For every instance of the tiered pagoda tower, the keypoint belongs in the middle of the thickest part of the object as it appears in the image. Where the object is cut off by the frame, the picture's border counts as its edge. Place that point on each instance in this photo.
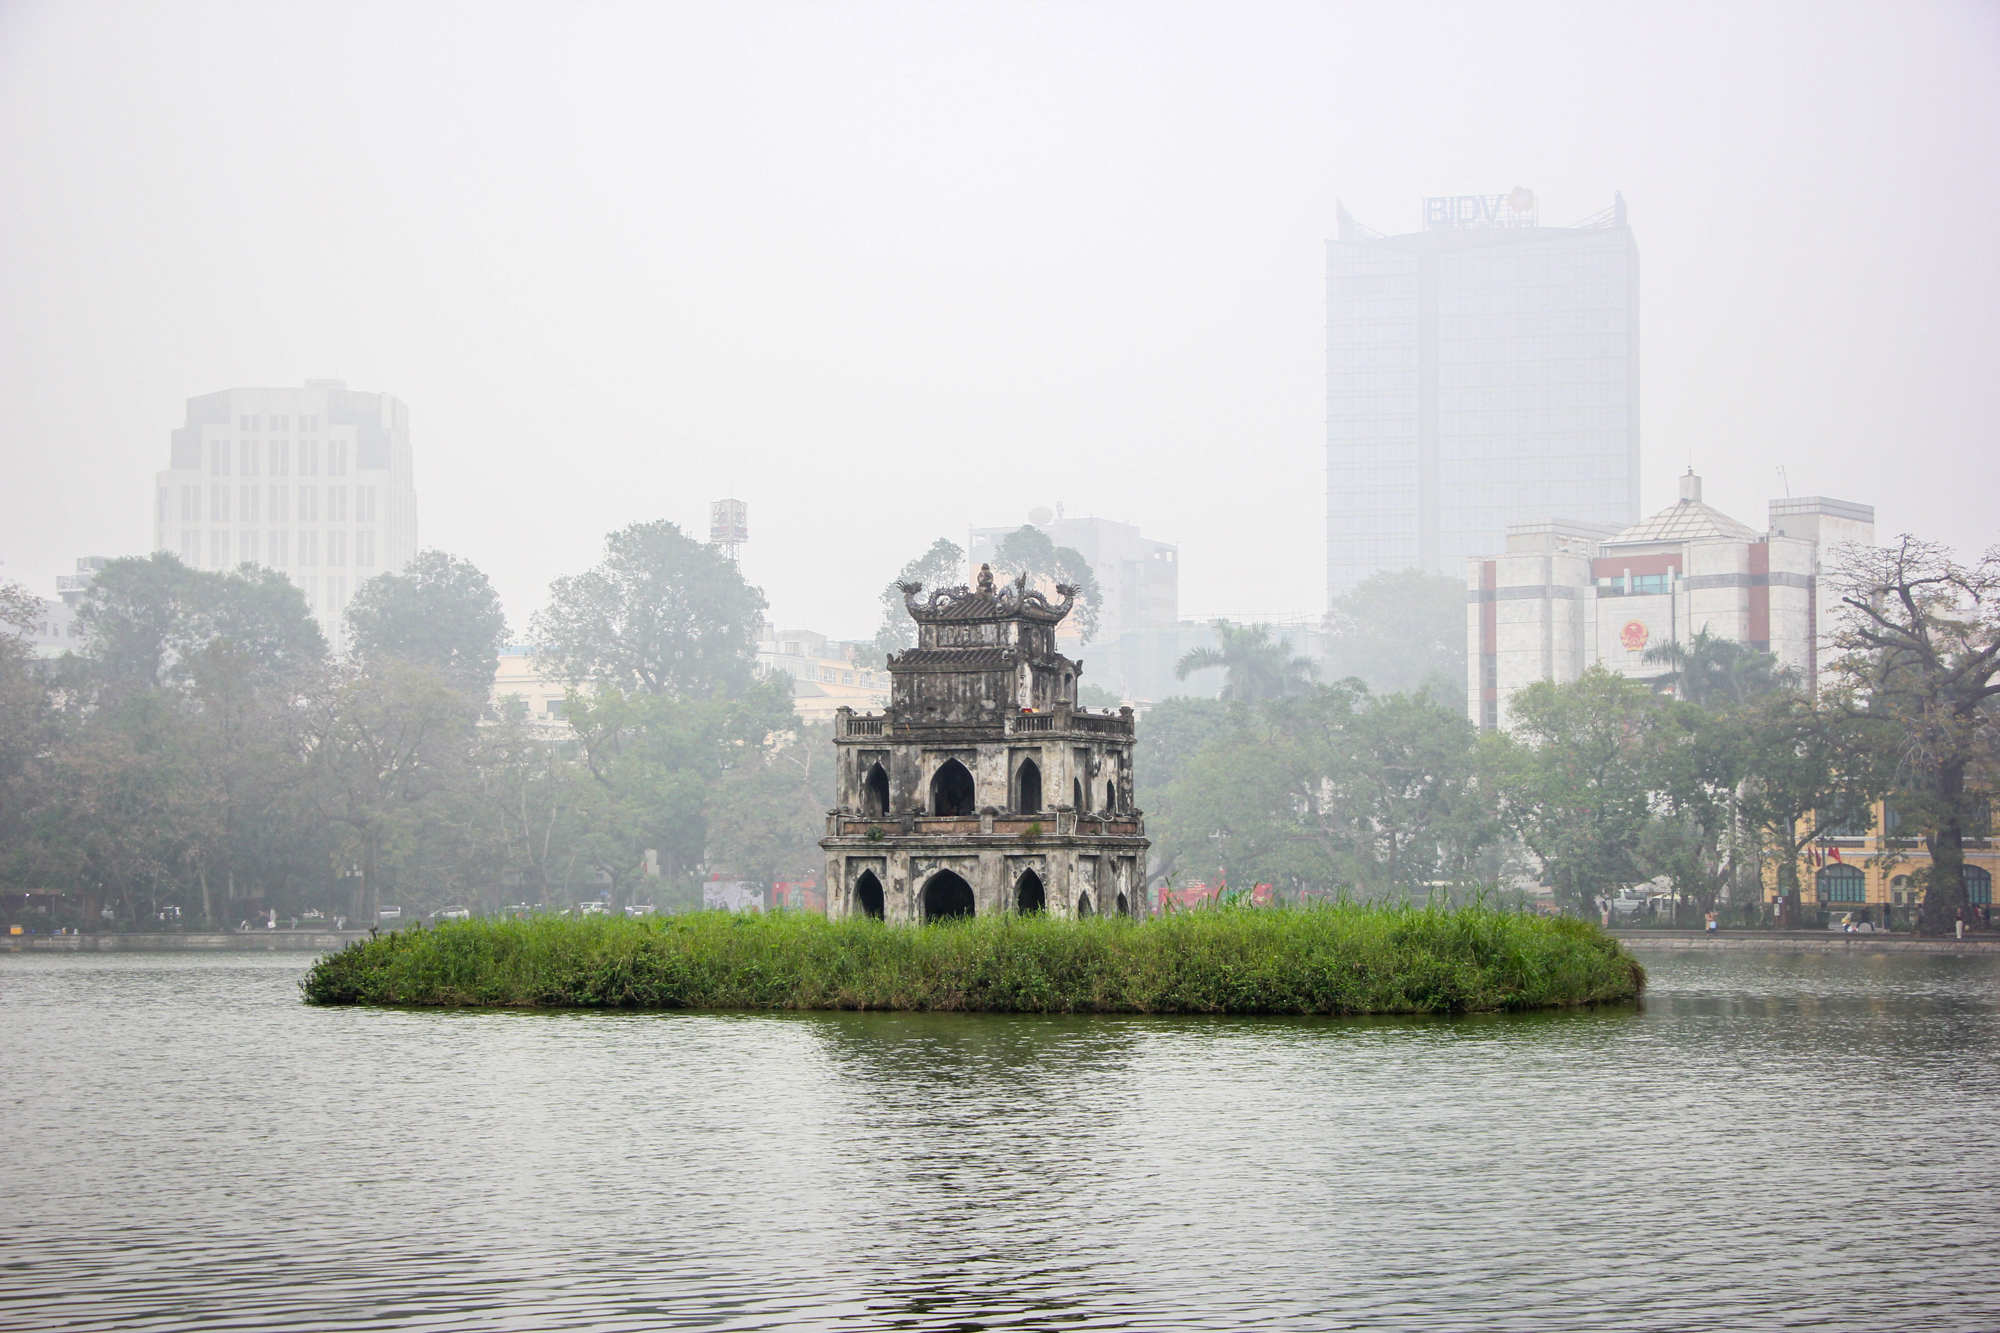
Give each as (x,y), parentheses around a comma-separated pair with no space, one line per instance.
(982,787)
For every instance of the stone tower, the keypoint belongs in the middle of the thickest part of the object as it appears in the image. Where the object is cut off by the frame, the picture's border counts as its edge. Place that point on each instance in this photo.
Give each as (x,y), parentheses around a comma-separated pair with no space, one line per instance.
(983,788)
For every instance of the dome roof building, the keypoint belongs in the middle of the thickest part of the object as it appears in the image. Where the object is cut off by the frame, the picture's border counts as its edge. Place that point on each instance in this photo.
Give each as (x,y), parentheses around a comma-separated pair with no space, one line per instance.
(1567,596)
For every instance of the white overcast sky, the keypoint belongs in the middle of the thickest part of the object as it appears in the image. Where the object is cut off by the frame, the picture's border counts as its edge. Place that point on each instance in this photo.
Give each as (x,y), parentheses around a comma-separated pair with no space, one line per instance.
(885,271)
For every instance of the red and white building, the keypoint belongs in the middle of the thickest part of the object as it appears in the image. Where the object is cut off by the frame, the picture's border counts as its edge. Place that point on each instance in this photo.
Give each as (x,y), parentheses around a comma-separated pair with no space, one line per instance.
(1567,596)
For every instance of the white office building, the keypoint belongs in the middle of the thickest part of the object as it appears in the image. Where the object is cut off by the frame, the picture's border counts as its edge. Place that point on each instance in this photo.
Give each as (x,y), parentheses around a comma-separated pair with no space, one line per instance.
(314,481)
(1566,595)
(1481,372)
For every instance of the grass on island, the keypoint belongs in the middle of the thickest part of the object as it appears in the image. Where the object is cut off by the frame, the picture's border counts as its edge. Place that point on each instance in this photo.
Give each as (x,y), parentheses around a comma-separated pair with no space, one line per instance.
(1320,960)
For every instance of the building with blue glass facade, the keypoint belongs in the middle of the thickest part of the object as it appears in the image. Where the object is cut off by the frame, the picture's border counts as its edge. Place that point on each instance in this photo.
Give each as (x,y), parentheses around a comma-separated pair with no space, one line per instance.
(1481,372)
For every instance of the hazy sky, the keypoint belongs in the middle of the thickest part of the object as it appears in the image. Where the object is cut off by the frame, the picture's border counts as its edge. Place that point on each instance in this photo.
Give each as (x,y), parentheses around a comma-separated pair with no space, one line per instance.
(887,271)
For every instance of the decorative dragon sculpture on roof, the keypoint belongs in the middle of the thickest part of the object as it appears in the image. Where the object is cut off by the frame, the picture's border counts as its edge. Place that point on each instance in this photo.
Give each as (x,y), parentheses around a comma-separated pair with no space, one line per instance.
(983,600)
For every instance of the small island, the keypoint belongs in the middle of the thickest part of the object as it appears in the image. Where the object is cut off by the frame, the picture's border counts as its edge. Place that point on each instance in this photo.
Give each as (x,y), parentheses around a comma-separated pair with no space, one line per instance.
(956,883)
(1334,960)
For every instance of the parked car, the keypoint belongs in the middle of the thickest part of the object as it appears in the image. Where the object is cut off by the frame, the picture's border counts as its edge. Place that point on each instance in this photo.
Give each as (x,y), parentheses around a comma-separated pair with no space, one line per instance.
(389,913)
(452,914)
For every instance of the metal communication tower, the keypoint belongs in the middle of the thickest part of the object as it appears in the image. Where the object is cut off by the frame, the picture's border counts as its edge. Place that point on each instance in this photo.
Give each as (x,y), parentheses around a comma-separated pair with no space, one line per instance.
(729,525)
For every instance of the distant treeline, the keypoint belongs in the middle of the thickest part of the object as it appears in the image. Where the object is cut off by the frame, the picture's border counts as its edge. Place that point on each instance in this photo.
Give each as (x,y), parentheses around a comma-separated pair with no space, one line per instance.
(204,755)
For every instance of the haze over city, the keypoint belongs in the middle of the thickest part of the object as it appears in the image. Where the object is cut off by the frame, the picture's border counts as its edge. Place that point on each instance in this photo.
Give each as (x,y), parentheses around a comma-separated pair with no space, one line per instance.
(889,272)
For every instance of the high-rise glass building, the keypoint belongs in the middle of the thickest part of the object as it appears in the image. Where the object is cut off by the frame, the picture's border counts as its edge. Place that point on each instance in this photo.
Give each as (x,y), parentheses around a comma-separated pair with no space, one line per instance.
(1481,372)
(315,482)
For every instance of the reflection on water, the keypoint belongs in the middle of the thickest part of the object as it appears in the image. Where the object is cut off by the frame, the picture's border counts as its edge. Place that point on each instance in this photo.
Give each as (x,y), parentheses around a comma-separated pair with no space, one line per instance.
(1780,1141)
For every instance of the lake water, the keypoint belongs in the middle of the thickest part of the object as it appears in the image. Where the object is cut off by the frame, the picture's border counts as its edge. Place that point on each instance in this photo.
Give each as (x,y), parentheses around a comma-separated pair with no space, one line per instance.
(1783,1141)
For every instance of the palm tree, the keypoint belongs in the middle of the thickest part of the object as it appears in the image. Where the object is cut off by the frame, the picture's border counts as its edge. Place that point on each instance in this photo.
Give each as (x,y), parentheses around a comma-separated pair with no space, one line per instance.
(1714,672)
(1259,666)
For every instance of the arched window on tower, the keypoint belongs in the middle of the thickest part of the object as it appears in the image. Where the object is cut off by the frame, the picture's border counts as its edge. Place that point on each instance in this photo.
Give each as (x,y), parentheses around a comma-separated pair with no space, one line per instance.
(875,792)
(1029,896)
(868,895)
(1028,787)
(946,897)
(951,789)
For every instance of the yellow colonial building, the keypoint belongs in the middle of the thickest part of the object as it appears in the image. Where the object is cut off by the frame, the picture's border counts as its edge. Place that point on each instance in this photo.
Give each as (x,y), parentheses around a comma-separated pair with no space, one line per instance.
(1871,861)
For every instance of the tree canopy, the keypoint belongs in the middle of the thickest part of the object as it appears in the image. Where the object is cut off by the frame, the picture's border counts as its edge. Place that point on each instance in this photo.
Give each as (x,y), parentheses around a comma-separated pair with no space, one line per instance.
(940,567)
(1710,671)
(1257,665)
(1330,790)
(661,613)
(1401,631)
(147,618)
(440,611)
(1919,645)
(1028,550)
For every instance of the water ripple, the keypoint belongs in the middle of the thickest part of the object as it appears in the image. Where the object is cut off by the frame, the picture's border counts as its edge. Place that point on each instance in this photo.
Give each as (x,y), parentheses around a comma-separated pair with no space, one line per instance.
(1788,1141)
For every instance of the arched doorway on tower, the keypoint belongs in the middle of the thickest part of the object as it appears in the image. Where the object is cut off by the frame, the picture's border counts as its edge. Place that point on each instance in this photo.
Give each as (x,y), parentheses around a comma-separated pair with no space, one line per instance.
(946,897)
(951,789)
(875,791)
(1029,895)
(868,895)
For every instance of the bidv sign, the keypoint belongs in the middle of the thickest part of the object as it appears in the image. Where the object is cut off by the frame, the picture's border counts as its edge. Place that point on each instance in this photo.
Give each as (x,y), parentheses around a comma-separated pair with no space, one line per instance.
(1513,209)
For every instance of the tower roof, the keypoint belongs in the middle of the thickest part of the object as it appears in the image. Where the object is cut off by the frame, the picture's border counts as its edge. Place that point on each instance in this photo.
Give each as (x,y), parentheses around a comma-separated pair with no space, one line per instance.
(983,602)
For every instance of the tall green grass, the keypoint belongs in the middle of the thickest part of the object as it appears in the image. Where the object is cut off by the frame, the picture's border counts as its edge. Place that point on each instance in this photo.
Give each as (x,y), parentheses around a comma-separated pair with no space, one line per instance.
(1321,960)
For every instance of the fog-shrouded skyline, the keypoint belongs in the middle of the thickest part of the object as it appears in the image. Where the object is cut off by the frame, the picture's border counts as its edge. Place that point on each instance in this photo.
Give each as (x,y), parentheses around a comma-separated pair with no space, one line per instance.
(889,272)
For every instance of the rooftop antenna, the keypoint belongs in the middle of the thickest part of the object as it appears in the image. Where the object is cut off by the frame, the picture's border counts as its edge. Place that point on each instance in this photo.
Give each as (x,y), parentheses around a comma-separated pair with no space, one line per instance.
(1786,480)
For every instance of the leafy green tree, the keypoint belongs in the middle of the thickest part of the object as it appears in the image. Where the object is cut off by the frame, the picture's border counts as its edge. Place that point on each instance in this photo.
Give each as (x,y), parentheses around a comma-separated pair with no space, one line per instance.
(1805,764)
(146,619)
(942,566)
(1335,789)
(243,743)
(1712,672)
(1920,645)
(440,611)
(114,808)
(29,725)
(1401,631)
(1575,778)
(532,789)
(655,762)
(767,812)
(383,742)
(1697,837)
(661,614)
(1169,735)
(1258,666)
(1028,550)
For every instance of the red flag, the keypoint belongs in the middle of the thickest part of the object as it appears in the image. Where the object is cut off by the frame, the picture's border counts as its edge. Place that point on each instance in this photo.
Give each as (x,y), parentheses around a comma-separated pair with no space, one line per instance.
(1833,855)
